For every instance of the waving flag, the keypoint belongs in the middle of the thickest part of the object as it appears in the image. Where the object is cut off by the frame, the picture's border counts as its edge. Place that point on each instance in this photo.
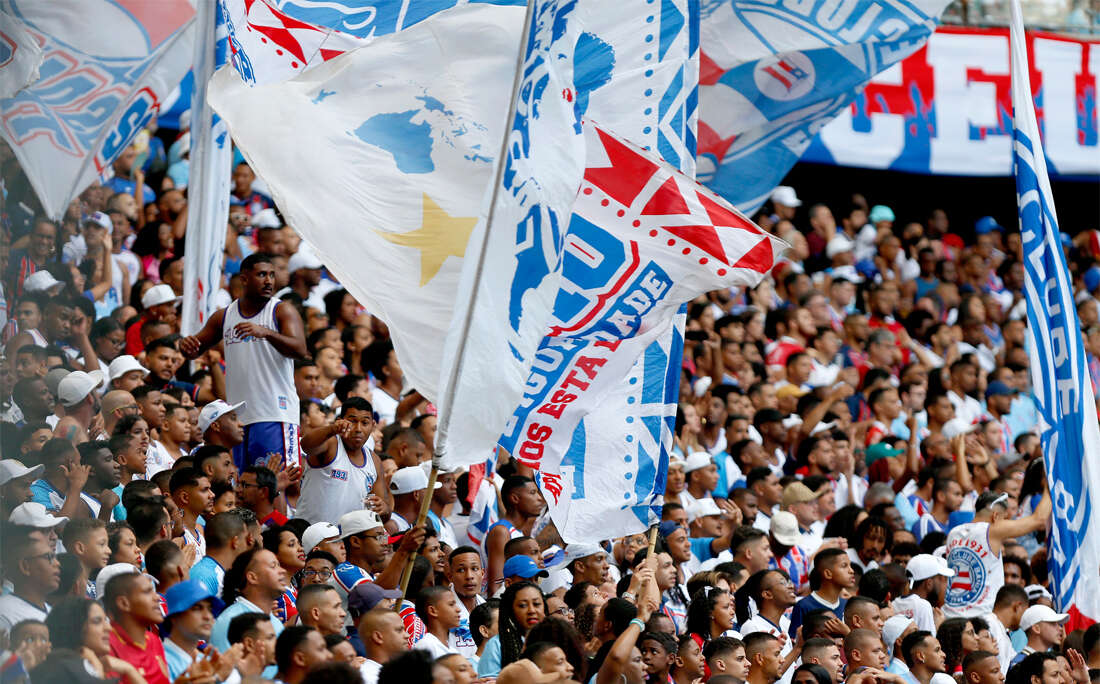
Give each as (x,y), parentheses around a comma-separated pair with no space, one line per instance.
(20,56)
(773,74)
(644,240)
(211,159)
(1068,425)
(104,71)
(512,263)
(380,159)
(631,61)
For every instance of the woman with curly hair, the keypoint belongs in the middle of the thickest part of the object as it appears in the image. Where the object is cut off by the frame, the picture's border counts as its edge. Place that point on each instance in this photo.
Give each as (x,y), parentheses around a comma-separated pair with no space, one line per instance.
(710,614)
(521,607)
(958,638)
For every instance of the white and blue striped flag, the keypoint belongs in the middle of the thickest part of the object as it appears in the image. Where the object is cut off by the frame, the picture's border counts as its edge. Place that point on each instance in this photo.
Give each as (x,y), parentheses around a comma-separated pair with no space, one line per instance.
(1068,424)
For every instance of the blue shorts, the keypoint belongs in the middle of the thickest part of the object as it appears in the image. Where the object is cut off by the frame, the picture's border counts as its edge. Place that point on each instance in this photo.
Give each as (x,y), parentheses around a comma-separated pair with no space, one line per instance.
(263,439)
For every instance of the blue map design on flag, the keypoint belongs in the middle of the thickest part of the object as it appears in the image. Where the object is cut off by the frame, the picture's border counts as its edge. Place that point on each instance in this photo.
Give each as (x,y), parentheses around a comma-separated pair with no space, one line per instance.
(409,143)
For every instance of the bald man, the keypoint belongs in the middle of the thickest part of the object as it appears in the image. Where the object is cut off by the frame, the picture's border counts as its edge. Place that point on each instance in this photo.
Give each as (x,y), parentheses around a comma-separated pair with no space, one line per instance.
(383,634)
(115,405)
(864,648)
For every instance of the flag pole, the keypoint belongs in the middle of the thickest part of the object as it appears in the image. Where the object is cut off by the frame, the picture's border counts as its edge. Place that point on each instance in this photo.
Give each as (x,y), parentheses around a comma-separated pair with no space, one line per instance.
(652,540)
(447,402)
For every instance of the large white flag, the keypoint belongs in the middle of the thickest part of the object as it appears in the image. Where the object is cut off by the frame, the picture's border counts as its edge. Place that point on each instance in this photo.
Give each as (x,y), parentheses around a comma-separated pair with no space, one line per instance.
(511,267)
(102,77)
(380,159)
(20,56)
(1068,424)
(629,64)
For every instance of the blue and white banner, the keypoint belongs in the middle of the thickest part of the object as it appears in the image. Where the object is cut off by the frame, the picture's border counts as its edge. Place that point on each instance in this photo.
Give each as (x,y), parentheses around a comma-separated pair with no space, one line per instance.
(511,272)
(643,241)
(20,56)
(1068,424)
(773,74)
(386,181)
(106,65)
(208,196)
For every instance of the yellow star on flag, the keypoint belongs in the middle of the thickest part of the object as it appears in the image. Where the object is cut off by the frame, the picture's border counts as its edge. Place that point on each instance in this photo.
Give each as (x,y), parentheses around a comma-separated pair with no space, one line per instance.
(439,236)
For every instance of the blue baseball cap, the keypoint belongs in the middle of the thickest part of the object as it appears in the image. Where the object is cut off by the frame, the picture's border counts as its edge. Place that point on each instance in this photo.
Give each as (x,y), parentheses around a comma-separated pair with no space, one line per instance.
(182,596)
(998,389)
(881,212)
(1092,278)
(523,566)
(987,224)
(867,268)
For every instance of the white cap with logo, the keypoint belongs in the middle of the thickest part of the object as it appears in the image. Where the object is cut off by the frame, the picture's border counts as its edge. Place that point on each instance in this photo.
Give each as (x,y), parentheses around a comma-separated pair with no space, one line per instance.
(214,410)
(77,385)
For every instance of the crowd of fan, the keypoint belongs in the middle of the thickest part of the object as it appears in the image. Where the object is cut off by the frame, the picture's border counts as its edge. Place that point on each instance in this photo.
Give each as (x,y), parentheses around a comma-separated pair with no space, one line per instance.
(240,505)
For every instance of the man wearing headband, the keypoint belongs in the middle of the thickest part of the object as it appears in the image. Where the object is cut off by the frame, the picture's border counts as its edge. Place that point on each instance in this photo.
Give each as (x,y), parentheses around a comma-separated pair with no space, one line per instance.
(974,552)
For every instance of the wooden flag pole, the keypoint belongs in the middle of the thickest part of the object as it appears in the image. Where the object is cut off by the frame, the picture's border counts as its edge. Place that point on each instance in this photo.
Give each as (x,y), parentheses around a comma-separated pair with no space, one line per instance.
(425,504)
(652,540)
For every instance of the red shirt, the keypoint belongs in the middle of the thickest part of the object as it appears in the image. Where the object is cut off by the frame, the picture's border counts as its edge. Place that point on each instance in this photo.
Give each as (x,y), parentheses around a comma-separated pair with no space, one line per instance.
(133,337)
(148,657)
(276,519)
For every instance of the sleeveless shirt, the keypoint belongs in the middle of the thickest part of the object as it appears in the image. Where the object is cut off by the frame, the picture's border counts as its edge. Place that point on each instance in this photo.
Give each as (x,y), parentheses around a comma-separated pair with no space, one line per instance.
(340,487)
(979,574)
(256,373)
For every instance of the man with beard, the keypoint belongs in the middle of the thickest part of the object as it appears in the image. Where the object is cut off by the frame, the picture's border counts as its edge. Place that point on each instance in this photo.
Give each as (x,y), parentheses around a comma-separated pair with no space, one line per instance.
(929,576)
(343,474)
(263,336)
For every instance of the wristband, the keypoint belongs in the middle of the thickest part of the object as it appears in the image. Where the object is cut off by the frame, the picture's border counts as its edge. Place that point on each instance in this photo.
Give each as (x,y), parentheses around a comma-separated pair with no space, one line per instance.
(641,625)
(630,596)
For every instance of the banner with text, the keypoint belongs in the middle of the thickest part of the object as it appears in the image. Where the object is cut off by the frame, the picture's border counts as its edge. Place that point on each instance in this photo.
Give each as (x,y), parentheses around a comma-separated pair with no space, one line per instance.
(946,109)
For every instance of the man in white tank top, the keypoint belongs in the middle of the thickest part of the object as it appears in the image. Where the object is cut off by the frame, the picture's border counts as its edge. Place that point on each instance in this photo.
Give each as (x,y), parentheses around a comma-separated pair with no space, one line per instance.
(974,551)
(342,474)
(263,336)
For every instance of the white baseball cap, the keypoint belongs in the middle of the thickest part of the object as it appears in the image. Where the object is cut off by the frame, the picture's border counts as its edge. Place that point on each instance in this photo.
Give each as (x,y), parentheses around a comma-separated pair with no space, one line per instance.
(957,426)
(1040,613)
(702,508)
(111,571)
(317,533)
(266,218)
(407,480)
(892,630)
(697,460)
(11,469)
(785,195)
(40,281)
(77,385)
(305,257)
(158,294)
(925,565)
(784,527)
(847,272)
(214,410)
(357,522)
(102,220)
(577,551)
(34,514)
(122,365)
(838,244)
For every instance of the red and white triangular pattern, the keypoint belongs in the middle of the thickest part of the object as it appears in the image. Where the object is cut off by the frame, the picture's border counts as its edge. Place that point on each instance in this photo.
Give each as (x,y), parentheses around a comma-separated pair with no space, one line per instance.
(661,204)
(278,46)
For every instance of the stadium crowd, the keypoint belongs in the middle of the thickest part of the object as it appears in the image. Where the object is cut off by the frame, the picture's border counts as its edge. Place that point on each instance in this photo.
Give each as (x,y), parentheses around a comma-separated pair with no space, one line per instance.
(855,494)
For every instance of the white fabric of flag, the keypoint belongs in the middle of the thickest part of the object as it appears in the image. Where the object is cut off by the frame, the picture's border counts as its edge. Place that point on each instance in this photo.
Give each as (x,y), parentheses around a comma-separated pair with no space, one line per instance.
(1068,427)
(380,159)
(211,159)
(773,74)
(511,273)
(644,240)
(103,73)
(20,56)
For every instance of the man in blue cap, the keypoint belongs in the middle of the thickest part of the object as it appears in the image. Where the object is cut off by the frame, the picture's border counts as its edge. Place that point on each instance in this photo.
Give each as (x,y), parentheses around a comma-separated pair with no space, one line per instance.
(190,619)
(519,568)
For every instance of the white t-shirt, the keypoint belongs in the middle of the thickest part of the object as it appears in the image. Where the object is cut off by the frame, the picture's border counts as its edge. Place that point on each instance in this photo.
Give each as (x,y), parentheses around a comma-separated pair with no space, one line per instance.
(157,459)
(918,610)
(431,643)
(1005,652)
(384,405)
(967,408)
(14,610)
(369,671)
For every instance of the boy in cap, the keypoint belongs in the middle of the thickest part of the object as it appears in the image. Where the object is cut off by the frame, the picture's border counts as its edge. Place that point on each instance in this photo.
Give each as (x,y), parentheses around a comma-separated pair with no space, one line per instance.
(15,484)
